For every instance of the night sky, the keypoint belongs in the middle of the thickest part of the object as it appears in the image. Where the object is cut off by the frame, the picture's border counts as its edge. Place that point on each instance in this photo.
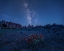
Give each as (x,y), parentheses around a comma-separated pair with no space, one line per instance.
(34,12)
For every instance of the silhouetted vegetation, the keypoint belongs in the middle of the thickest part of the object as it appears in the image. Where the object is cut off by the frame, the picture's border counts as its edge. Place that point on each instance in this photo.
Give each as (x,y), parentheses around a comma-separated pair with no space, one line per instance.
(4,25)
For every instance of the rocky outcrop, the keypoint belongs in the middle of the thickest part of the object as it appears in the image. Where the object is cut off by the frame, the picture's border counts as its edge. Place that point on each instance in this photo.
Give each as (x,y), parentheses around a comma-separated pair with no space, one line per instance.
(5,24)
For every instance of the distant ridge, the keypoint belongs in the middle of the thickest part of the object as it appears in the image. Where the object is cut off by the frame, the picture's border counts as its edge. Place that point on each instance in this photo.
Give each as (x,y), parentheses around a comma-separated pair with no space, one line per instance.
(6,24)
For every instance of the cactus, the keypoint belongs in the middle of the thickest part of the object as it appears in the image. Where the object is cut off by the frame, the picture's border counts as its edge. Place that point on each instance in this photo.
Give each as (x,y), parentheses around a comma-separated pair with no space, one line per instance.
(34,40)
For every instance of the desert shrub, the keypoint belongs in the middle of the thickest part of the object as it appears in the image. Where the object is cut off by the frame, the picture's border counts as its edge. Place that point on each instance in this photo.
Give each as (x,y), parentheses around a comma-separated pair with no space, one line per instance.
(34,40)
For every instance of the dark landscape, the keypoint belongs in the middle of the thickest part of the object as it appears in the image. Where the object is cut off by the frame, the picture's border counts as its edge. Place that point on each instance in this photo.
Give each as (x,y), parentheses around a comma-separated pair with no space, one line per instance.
(31,25)
(12,39)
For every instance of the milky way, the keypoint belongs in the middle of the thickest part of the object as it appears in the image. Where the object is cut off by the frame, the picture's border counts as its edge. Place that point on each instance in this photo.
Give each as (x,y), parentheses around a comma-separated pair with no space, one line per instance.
(30,14)
(34,12)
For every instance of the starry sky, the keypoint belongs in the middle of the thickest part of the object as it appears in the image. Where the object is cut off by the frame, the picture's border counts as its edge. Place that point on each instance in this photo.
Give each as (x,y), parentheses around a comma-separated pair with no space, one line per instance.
(34,12)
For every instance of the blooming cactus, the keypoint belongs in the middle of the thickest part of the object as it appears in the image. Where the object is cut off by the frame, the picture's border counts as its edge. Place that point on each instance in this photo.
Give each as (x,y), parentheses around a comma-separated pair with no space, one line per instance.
(34,39)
